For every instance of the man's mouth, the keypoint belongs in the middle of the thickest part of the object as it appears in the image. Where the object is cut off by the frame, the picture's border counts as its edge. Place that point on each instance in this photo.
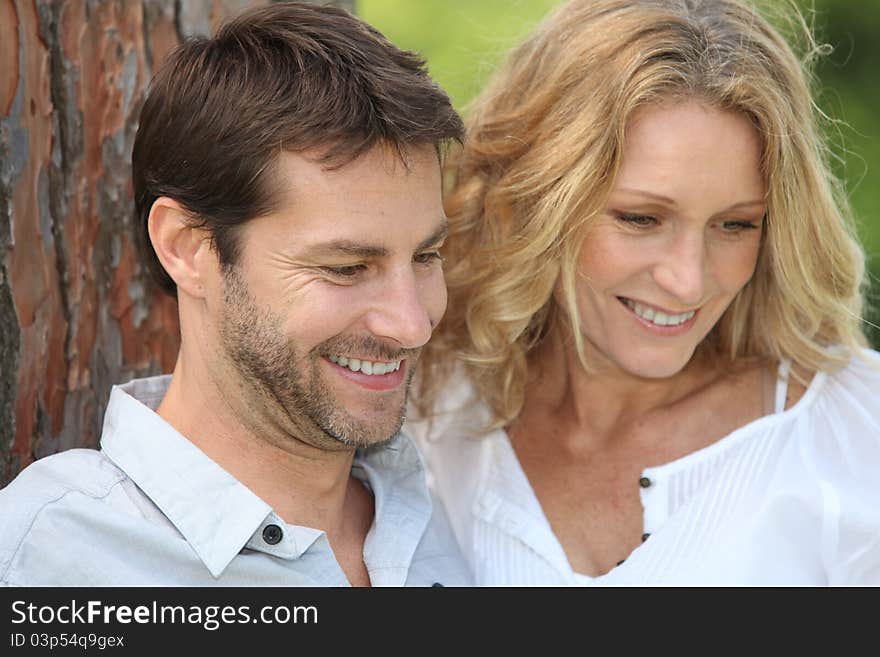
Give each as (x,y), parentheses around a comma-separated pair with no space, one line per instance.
(369,367)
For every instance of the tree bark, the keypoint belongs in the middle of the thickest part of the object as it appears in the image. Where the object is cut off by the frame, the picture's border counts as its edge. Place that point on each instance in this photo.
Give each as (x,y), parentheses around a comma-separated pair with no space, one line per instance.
(78,312)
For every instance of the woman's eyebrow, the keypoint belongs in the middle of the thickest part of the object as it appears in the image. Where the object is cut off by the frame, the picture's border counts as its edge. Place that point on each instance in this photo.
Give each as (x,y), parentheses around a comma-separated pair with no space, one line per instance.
(668,201)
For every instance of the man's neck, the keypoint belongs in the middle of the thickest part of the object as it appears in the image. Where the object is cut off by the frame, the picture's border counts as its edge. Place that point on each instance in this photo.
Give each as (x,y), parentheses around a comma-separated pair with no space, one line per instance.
(303,484)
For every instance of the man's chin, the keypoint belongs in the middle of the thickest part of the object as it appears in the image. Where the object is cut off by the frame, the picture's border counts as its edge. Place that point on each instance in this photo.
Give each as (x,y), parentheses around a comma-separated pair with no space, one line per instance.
(363,437)
(349,432)
(378,443)
(354,419)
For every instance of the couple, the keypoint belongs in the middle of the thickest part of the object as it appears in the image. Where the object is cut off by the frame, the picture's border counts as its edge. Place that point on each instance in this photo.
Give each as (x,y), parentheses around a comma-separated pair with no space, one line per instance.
(651,368)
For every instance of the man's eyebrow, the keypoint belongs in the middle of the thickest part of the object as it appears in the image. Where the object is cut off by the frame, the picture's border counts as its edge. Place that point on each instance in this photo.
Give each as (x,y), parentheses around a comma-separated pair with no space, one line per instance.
(437,236)
(361,250)
(348,248)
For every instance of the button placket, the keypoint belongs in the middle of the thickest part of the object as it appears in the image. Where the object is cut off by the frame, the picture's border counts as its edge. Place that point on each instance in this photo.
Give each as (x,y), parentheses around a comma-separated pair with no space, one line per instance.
(654,497)
(645,483)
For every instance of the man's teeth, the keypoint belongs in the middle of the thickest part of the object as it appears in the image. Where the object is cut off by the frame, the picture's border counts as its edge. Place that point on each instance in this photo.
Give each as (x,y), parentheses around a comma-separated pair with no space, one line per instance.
(657,317)
(366,366)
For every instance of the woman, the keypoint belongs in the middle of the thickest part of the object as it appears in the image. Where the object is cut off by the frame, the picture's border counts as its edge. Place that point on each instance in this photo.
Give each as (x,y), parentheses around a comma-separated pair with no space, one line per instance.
(652,368)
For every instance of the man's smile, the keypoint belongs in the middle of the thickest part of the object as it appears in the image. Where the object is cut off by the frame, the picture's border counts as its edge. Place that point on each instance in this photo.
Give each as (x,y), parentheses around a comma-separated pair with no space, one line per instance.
(368,367)
(373,375)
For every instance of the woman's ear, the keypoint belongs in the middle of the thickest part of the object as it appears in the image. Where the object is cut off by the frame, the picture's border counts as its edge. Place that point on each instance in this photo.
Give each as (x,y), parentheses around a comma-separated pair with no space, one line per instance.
(184,250)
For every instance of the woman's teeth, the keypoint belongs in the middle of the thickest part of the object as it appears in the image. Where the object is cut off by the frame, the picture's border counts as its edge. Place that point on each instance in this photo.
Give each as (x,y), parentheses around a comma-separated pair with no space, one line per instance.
(657,317)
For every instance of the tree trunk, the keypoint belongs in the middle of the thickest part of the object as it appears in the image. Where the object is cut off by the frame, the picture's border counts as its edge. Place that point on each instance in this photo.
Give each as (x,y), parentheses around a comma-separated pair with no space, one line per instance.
(78,312)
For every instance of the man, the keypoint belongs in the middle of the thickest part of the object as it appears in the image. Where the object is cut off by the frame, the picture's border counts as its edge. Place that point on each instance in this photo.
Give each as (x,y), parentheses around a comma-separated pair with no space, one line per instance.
(287,186)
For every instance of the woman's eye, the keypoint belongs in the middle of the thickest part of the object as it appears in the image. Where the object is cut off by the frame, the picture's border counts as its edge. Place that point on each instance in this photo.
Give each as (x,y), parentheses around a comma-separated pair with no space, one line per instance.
(428,257)
(638,220)
(738,226)
(345,271)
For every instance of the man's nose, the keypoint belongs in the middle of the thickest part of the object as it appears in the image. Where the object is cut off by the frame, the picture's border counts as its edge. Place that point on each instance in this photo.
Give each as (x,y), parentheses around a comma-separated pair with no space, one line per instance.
(402,310)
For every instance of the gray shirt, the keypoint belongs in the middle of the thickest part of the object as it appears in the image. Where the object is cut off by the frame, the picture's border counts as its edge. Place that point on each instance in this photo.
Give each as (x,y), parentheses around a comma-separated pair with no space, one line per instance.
(151,509)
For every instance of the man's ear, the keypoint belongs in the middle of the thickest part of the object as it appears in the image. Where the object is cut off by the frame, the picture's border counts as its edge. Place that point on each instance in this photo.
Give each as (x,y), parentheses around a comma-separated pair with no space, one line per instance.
(184,250)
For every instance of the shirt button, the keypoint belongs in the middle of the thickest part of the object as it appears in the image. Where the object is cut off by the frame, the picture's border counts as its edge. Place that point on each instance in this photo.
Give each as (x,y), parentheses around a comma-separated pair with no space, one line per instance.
(272,534)
(645,536)
(644,482)
(437,585)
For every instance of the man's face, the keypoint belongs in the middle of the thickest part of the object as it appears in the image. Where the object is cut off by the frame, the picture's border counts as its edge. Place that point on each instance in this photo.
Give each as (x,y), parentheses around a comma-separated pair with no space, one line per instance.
(323,318)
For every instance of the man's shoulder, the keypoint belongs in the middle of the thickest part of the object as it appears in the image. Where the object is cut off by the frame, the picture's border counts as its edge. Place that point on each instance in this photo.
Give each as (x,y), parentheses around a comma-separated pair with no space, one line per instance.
(87,471)
(45,483)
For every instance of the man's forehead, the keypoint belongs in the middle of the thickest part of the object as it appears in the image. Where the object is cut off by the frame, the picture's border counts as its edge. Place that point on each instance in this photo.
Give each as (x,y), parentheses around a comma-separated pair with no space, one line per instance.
(301,171)
(368,207)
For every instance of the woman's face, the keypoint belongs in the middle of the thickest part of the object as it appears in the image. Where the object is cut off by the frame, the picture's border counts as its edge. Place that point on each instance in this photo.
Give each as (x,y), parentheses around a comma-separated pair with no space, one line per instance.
(678,239)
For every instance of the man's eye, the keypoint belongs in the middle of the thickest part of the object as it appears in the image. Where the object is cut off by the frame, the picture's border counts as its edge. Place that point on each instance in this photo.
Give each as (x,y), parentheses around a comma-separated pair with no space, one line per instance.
(638,220)
(345,271)
(428,257)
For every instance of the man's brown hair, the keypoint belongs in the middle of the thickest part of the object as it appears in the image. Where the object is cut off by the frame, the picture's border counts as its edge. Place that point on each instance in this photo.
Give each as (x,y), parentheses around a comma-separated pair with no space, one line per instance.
(290,76)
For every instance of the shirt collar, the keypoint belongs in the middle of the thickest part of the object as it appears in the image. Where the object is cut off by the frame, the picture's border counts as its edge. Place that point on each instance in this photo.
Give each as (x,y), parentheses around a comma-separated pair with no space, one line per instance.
(213,511)
(506,500)
(218,515)
(503,496)
(396,475)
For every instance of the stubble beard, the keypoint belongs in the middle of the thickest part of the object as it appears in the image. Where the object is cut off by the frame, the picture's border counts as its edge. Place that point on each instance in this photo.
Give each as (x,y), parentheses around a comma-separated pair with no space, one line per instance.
(287,386)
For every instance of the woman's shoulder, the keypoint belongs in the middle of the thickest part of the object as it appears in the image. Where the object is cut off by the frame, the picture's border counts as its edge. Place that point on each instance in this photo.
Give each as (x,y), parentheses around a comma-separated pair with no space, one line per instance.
(457,413)
(856,385)
(837,421)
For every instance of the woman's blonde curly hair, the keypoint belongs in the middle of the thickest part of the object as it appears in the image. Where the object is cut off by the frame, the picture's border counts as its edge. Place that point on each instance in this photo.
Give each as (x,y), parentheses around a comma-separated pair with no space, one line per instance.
(543,147)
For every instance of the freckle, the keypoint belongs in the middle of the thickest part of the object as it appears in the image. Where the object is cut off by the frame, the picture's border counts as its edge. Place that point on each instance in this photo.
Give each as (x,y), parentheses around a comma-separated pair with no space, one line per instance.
(33,107)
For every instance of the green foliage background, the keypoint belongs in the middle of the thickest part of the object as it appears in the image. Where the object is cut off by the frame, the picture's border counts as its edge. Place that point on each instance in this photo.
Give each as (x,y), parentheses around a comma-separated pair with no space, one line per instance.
(463,41)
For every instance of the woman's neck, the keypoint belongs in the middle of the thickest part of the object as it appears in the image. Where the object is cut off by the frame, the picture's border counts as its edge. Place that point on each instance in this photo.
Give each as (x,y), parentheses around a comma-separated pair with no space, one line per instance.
(607,400)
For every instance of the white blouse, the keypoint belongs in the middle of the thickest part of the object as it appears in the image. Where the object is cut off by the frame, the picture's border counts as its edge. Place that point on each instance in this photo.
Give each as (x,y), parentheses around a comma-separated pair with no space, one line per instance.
(790,499)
